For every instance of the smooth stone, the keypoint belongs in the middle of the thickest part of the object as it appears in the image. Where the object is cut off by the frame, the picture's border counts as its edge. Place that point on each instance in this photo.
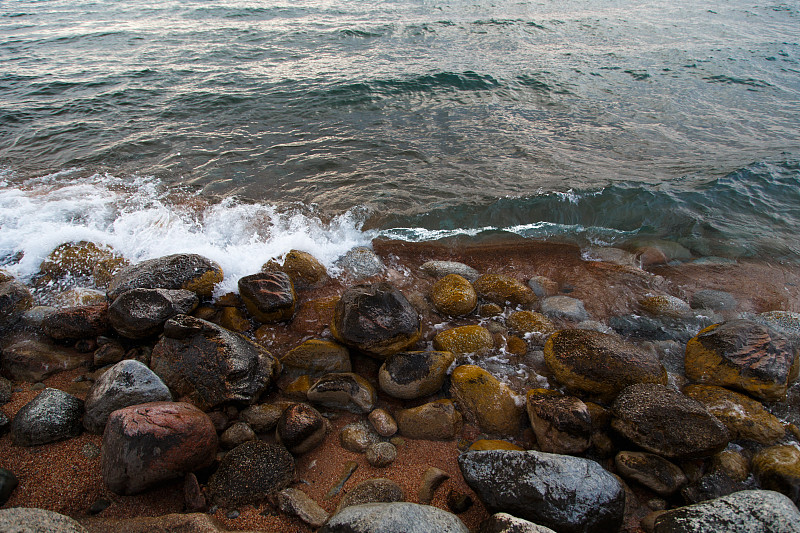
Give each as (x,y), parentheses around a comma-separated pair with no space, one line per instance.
(375,490)
(358,437)
(346,391)
(301,428)
(268,296)
(127,383)
(564,308)
(778,468)
(262,417)
(211,365)
(733,463)
(437,420)
(108,353)
(145,445)
(383,422)
(743,355)
(501,289)
(715,300)
(375,319)
(659,328)
(304,269)
(543,286)
(665,305)
(399,517)
(297,503)
(316,357)
(506,523)
(454,295)
(250,472)
(747,511)
(179,271)
(51,416)
(663,421)
(8,482)
(236,434)
(464,340)
(141,313)
(32,359)
(485,400)
(587,361)
(652,471)
(571,494)
(73,323)
(410,375)
(493,444)
(381,454)
(440,269)
(432,479)
(33,520)
(361,263)
(562,424)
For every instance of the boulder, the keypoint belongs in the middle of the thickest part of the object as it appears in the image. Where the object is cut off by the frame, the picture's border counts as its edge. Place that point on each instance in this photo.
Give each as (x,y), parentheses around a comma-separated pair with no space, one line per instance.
(268,296)
(485,400)
(587,361)
(375,490)
(301,428)
(15,299)
(665,422)
(562,424)
(564,308)
(304,269)
(51,416)
(440,269)
(453,295)
(145,445)
(72,323)
(570,494)
(343,390)
(375,319)
(743,355)
(744,417)
(464,339)
(316,357)
(250,472)
(761,511)
(410,375)
(399,517)
(34,520)
(179,271)
(778,468)
(652,471)
(501,289)
(209,364)
(127,383)
(141,313)
(361,263)
(437,420)
(32,359)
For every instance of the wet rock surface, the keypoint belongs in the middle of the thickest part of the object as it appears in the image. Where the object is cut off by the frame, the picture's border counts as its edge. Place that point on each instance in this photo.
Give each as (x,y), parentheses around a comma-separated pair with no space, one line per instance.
(269,296)
(140,313)
(179,271)
(51,416)
(410,375)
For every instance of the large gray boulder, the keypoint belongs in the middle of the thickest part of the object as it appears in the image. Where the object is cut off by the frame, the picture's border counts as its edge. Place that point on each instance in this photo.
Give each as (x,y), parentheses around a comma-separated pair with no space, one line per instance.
(397,517)
(569,494)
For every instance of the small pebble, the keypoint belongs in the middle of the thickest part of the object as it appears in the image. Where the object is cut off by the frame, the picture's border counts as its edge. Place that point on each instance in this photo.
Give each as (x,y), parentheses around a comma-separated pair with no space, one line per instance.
(381,454)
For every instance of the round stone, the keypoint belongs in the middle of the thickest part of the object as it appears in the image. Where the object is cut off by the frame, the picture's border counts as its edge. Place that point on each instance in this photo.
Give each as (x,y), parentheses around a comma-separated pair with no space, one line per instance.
(454,295)
(381,454)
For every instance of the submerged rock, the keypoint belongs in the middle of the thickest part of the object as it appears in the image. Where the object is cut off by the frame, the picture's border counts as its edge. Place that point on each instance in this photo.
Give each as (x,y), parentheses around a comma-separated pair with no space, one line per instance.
(564,307)
(361,263)
(501,289)
(179,271)
(453,295)
(440,269)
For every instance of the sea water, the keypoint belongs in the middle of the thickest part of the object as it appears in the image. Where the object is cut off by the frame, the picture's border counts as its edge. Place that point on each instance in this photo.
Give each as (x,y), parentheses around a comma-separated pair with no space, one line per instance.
(243,129)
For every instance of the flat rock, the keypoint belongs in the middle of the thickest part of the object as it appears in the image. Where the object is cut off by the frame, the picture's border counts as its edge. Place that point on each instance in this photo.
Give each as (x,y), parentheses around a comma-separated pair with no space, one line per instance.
(665,422)
(375,319)
(747,511)
(141,313)
(51,416)
(127,383)
(454,295)
(344,390)
(570,494)
(564,307)
(316,357)
(464,340)
(437,420)
(778,468)
(72,323)
(562,423)
(209,364)
(400,517)
(440,269)
(505,523)
(501,289)
(262,417)
(32,359)
(297,503)
(587,361)
(301,428)
(268,296)
(179,271)
(543,286)
(147,444)
(250,472)
(375,490)
(33,520)
(653,471)
(743,355)
(485,400)
(410,375)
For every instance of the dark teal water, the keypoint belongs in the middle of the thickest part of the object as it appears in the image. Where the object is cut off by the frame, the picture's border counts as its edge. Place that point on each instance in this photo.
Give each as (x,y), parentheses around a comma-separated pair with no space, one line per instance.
(591,122)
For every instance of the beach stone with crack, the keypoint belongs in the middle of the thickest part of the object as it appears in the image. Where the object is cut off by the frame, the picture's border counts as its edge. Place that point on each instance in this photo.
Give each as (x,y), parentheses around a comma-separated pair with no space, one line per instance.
(375,319)
(211,365)
(714,300)
(15,299)
(297,503)
(316,357)
(454,295)
(506,523)
(663,421)
(570,494)
(179,271)
(51,416)
(127,383)
(34,520)
(743,355)
(141,313)
(72,323)
(437,420)
(562,423)
(250,472)
(778,468)
(304,269)
(343,390)
(761,511)
(410,375)
(600,364)
(29,358)
(358,436)
(396,517)
(440,269)
(744,417)
(268,296)
(485,400)
(501,289)
(463,340)
(301,428)
(652,471)
(375,490)
(147,444)
(564,307)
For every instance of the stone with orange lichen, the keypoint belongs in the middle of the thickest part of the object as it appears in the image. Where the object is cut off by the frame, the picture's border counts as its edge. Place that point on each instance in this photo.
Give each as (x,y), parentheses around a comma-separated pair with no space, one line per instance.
(179,271)
(464,339)
(233,319)
(516,346)
(145,445)
(304,269)
(778,468)
(437,420)
(298,388)
(493,444)
(502,289)
(316,357)
(454,295)
(485,400)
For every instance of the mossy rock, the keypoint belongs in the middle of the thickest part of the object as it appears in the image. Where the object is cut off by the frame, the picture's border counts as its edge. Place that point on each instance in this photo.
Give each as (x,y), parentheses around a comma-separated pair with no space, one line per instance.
(600,364)
(535,325)
(304,269)
(437,420)
(502,289)
(454,295)
(464,339)
(778,468)
(75,259)
(485,400)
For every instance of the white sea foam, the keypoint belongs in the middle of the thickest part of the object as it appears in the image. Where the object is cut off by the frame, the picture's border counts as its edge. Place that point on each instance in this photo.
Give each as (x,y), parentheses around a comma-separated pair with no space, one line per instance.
(140,220)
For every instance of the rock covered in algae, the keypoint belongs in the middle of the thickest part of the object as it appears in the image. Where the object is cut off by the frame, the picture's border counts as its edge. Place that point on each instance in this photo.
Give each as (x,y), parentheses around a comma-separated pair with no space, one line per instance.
(485,400)
(454,295)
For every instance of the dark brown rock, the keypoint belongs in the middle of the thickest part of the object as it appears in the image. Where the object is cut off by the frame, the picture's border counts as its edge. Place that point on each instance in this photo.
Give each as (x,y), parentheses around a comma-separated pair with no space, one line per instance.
(250,472)
(72,323)
(376,490)
(562,424)
(269,296)
(193,498)
(141,313)
(15,299)
(145,445)
(652,471)
(344,390)
(179,271)
(301,428)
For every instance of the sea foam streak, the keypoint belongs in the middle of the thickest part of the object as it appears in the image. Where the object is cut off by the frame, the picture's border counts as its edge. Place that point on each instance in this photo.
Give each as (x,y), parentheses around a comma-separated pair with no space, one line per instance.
(140,220)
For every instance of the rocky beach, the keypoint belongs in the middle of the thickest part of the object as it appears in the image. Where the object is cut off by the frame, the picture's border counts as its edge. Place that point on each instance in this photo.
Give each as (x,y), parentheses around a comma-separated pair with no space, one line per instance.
(447,386)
